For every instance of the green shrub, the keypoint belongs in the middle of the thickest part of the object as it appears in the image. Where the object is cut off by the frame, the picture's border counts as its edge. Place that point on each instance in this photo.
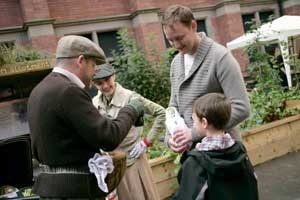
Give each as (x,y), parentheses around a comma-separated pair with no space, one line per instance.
(151,79)
(268,97)
(270,106)
(12,54)
(135,72)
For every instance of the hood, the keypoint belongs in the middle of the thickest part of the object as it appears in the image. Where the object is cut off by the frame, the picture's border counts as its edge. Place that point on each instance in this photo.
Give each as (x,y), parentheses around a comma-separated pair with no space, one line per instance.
(223,163)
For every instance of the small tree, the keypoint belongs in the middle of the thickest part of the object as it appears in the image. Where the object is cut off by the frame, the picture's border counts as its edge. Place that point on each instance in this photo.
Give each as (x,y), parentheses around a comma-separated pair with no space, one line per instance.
(135,72)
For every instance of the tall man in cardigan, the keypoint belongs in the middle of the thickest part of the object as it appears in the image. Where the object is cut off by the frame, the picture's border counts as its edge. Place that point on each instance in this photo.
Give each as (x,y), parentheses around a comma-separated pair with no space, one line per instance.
(202,66)
(66,129)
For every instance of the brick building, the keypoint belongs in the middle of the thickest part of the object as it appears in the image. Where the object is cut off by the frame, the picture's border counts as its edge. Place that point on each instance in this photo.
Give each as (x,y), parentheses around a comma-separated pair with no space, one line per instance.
(41,23)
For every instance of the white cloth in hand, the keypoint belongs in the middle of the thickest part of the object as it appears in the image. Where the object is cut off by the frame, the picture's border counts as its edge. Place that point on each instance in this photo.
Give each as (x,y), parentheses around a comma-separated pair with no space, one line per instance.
(101,165)
(173,120)
(138,149)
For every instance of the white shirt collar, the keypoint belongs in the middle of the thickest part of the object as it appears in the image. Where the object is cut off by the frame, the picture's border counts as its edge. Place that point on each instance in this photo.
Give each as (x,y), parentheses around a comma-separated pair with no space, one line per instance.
(69,75)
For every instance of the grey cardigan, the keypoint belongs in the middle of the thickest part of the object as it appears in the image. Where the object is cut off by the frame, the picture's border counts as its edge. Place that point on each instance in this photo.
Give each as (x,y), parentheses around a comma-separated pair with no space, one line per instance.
(214,70)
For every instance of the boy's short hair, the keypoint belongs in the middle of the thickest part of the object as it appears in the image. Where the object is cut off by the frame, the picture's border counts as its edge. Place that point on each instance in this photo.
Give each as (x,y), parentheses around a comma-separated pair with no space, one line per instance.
(215,108)
(179,13)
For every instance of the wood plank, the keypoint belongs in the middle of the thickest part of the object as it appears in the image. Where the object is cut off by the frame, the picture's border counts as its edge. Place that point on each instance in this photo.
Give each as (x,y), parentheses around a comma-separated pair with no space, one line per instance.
(269,144)
(295,134)
(294,103)
(167,188)
(270,151)
(265,137)
(164,171)
(25,67)
(270,125)
(159,160)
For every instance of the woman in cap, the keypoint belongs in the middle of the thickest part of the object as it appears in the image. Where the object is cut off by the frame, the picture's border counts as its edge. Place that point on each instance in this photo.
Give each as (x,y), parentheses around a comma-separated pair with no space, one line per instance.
(137,183)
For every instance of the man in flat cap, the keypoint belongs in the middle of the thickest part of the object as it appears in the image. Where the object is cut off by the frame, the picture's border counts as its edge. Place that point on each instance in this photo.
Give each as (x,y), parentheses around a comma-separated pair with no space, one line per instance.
(109,101)
(66,129)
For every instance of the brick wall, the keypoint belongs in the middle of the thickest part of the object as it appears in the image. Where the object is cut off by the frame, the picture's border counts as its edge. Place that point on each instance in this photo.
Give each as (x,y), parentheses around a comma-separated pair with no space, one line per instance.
(215,30)
(34,9)
(229,27)
(242,60)
(138,4)
(10,13)
(293,10)
(189,3)
(78,9)
(46,44)
(144,33)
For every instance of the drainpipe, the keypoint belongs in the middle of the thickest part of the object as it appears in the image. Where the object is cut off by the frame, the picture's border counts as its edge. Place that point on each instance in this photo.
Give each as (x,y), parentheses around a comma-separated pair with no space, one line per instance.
(280,6)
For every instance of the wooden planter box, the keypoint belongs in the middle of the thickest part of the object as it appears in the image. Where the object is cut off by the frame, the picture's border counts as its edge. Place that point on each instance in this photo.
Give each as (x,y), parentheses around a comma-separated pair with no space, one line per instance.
(163,170)
(292,104)
(273,139)
(26,67)
(263,143)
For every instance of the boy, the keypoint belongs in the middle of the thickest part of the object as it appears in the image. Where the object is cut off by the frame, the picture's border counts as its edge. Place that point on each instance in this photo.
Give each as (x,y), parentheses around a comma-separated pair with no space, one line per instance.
(218,167)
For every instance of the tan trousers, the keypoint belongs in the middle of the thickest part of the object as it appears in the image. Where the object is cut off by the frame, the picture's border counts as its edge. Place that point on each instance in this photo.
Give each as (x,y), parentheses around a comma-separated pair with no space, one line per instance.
(137,182)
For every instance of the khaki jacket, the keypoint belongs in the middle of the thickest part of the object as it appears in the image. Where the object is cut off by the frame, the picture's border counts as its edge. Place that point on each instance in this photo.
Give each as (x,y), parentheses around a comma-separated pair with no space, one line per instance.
(120,99)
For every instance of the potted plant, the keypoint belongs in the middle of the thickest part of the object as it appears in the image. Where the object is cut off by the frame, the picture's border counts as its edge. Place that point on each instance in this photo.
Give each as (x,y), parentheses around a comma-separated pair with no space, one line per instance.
(18,60)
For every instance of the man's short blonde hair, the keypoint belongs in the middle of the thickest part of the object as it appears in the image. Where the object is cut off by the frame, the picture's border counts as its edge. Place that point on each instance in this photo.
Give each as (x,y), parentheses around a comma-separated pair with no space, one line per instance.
(176,13)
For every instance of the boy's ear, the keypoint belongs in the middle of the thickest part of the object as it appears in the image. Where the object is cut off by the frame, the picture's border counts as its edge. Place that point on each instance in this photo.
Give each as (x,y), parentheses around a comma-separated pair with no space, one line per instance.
(204,122)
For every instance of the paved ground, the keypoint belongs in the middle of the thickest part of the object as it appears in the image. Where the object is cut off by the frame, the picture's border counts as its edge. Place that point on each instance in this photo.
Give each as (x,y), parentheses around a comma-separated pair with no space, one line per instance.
(279,179)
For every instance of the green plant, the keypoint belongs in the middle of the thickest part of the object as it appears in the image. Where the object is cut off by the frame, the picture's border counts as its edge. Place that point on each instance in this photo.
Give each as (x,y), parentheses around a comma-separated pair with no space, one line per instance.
(270,106)
(268,97)
(263,68)
(13,54)
(159,148)
(136,72)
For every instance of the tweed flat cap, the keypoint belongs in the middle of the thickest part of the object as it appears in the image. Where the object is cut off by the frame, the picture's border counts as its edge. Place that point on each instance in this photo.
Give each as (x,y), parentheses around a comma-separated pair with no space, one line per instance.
(72,46)
(103,71)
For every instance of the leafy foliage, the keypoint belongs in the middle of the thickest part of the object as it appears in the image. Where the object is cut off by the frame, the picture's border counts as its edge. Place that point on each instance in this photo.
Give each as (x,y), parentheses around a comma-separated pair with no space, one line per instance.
(136,72)
(268,99)
(262,69)
(159,148)
(12,54)
(270,106)
(149,78)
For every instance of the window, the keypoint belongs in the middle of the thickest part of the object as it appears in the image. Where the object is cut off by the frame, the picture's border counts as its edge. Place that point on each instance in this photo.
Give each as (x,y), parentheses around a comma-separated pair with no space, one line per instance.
(264,16)
(108,42)
(247,19)
(88,36)
(201,26)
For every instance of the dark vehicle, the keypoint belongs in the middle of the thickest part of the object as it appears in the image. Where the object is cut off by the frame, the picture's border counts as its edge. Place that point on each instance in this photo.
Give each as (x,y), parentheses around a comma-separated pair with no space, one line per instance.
(17,168)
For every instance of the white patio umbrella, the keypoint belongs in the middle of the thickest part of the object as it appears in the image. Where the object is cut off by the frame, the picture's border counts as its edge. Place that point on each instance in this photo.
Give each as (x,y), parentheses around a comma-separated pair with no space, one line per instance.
(279,29)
